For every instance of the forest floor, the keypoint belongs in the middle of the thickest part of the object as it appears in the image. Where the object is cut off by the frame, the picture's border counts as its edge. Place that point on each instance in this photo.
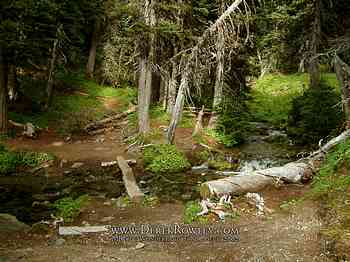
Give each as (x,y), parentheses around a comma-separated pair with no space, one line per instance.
(291,233)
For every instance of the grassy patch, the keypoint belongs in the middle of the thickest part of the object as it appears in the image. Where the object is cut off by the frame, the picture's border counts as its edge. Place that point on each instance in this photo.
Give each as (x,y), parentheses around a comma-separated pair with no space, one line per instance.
(332,188)
(10,160)
(192,208)
(273,94)
(164,158)
(69,208)
(78,99)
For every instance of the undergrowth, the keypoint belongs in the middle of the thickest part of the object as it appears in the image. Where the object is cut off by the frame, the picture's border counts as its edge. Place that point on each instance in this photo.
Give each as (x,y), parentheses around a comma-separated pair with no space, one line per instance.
(192,208)
(69,208)
(272,96)
(164,158)
(10,161)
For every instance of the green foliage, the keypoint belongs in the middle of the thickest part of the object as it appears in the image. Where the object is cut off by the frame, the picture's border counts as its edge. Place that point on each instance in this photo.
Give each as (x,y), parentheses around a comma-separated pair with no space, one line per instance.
(83,103)
(10,161)
(273,95)
(220,165)
(192,208)
(69,208)
(150,201)
(315,114)
(334,173)
(164,158)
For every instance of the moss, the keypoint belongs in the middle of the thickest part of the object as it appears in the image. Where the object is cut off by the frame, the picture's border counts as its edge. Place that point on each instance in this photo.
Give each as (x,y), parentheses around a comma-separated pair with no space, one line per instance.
(164,158)
(69,208)
(221,165)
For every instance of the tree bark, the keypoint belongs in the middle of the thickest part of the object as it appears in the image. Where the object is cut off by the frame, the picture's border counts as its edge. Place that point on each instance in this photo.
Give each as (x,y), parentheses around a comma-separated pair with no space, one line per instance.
(172,86)
(314,66)
(294,172)
(3,94)
(145,78)
(342,71)
(219,81)
(90,66)
(50,79)
(12,82)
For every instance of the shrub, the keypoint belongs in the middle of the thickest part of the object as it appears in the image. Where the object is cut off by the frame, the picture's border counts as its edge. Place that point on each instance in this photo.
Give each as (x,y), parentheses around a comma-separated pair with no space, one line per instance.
(69,208)
(164,158)
(315,114)
(192,208)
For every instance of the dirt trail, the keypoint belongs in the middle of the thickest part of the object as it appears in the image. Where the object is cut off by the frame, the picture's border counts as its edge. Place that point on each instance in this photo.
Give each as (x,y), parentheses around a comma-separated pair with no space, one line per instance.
(279,236)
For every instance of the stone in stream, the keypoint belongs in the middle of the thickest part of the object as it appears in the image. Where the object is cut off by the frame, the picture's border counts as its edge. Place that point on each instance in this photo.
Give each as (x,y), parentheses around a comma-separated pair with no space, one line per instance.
(77,165)
(200,169)
(9,224)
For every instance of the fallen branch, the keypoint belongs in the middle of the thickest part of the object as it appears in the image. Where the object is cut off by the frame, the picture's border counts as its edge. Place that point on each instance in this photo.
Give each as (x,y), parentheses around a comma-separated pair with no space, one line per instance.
(29,130)
(294,172)
(102,123)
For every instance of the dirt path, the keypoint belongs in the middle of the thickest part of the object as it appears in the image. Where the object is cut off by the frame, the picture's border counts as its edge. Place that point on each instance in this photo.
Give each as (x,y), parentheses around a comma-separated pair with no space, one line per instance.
(280,236)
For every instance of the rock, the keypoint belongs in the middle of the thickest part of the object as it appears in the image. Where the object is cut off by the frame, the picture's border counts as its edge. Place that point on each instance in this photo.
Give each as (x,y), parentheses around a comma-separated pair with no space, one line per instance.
(63,162)
(40,228)
(9,224)
(200,169)
(107,219)
(186,196)
(140,245)
(58,242)
(77,165)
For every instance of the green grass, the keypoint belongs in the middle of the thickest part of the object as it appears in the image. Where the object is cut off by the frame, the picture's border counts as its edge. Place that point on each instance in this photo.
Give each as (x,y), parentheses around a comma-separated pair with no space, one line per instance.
(80,101)
(192,208)
(273,94)
(332,188)
(10,161)
(164,158)
(69,208)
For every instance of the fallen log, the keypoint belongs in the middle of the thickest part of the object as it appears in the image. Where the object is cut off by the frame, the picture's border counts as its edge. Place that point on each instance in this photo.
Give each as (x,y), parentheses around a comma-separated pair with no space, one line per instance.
(132,189)
(71,231)
(101,123)
(294,172)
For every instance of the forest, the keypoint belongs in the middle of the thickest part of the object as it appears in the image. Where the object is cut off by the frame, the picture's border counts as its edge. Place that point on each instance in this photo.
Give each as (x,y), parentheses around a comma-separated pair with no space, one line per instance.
(228,115)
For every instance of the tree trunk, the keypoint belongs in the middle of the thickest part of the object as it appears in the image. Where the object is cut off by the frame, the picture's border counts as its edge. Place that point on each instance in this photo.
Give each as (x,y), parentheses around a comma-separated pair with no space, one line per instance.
(342,71)
(314,66)
(185,77)
(145,80)
(219,81)
(3,94)
(172,86)
(12,83)
(90,66)
(50,79)
(294,172)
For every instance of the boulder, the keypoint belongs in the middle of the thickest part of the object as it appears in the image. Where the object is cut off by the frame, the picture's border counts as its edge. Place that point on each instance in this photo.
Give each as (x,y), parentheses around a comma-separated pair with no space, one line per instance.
(9,224)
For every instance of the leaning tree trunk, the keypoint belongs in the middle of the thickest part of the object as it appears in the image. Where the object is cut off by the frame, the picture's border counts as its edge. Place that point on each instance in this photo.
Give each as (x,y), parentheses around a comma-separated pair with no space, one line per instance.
(186,73)
(294,172)
(90,66)
(3,93)
(50,79)
(219,81)
(145,80)
(342,71)
(314,66)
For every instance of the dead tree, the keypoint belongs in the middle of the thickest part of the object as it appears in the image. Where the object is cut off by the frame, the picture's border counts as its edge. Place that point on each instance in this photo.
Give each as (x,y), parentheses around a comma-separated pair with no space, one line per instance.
(146,63)
(294,172)
(220,60)
(342,71)
(198,50)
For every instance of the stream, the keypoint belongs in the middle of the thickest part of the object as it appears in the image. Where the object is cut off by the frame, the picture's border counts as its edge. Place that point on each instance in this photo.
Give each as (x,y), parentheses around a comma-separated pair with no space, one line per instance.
(30,197)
